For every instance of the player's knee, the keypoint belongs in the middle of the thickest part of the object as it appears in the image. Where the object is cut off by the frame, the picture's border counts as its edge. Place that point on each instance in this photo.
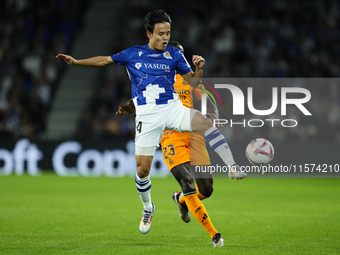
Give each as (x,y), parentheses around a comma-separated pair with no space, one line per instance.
(205,187)
(207,123)
(143,170)
(207,191)
(201,123)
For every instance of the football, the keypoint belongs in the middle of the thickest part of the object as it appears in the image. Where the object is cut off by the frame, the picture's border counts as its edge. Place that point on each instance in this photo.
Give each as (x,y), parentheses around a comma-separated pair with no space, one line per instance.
(260,152)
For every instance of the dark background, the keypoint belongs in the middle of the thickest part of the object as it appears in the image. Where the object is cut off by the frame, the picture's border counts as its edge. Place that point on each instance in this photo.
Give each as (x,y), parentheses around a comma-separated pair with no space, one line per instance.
(238,39)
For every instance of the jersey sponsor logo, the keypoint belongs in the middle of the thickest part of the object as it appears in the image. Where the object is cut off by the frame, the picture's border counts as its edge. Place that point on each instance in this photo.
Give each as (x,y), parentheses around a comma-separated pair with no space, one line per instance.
(182,97)
(157,66)
(167,55)
(140,53)
(183,91)
(138,65)
(154,55)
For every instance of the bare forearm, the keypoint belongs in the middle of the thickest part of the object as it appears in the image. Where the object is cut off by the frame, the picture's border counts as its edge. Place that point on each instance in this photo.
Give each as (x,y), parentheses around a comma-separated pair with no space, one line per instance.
(95,61)
(211,108)
(199,64)
(198,73)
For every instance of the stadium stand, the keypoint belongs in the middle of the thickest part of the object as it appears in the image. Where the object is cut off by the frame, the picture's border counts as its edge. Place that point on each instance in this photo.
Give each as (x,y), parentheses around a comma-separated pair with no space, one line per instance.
(241,39)
(281,38)
(31,32)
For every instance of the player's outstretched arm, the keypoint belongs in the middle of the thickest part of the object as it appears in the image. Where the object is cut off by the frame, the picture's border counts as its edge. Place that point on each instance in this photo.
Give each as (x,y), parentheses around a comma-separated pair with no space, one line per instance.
(199,63)
(95,61)
(127,108)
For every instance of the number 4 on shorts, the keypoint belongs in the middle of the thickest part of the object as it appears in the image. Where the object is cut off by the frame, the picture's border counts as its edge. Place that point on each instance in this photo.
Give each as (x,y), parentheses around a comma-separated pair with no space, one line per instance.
(139,127)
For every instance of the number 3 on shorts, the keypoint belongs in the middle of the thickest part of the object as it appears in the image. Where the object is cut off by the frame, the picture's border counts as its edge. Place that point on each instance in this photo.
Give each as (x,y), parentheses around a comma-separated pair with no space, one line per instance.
(139,127)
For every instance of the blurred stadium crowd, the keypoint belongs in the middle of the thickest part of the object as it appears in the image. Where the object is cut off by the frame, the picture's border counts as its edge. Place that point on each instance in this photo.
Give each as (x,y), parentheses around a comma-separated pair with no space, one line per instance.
(239,38)
(31,32)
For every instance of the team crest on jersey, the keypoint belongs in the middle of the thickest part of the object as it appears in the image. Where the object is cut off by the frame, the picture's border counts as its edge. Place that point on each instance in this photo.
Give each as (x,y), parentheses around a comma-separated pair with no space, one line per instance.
(185,83)
(167,55)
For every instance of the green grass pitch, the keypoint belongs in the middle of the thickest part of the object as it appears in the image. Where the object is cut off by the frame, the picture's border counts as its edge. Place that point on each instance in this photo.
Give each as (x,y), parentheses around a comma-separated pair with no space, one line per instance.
(63,215)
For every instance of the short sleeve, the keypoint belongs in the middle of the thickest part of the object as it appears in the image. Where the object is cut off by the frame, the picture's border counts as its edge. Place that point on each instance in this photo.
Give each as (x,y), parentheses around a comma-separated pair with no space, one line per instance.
(121,58)
(182,66)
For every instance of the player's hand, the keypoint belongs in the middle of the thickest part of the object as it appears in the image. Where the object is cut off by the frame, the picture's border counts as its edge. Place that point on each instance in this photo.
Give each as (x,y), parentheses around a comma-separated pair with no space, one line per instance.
(198,61)
(68,59)
(127,108)
(211,117)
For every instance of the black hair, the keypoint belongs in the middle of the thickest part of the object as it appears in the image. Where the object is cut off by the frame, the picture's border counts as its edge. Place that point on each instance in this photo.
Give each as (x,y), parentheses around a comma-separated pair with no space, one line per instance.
(153,17)
(176,45)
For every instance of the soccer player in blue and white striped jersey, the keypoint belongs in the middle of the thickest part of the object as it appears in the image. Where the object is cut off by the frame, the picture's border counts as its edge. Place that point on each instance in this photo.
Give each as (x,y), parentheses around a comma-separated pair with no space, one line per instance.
(152,70)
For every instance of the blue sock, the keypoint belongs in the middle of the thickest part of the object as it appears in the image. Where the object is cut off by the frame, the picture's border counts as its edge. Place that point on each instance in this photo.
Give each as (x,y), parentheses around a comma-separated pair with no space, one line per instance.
(218,143)
(144,191)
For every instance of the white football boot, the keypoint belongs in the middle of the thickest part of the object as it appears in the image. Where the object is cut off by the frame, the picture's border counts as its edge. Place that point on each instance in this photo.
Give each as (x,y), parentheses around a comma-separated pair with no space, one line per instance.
(236,173)
(218,240)
(145,223)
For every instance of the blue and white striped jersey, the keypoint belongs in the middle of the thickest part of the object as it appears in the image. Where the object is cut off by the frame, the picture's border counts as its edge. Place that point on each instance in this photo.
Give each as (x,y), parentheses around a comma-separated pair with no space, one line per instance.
(152,74)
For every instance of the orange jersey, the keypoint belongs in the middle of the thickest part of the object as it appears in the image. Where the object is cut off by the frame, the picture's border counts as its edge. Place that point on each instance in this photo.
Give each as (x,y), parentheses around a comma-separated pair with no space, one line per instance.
(184,91)
(176,145)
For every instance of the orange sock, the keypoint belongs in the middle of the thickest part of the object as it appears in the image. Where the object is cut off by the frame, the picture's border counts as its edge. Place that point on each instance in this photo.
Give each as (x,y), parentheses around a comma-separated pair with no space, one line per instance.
(200,196)
(198,210)
(182,200)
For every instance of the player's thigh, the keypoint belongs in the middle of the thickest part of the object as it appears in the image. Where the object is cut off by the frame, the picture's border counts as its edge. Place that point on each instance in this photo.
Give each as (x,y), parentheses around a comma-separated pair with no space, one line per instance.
(149,130)
(200,123)
(179,118)
(198,151)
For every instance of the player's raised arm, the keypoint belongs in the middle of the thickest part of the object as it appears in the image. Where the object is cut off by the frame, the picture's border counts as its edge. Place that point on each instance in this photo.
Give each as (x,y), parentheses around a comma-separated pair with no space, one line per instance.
(94,61)
(199,63)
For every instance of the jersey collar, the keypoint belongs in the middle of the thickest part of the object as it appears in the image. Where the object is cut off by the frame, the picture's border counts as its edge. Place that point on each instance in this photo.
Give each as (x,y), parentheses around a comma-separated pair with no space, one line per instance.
(158,51)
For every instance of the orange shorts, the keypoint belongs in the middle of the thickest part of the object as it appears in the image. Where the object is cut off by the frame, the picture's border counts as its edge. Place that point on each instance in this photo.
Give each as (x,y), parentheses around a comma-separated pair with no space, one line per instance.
(179,148)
